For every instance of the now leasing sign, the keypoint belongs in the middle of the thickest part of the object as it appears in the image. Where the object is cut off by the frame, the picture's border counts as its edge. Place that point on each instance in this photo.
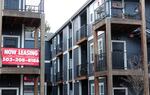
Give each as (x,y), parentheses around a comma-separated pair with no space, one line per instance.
(20,56)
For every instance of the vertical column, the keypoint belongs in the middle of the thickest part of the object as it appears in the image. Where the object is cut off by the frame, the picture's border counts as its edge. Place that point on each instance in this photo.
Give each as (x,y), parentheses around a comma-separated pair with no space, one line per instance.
(109,56)
(144,48)
(1,5)
(96,80)
(36,46)
(42,56)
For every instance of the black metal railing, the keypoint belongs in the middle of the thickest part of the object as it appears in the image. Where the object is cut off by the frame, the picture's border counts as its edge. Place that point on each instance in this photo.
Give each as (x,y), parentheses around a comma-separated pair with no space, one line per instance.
(120,60)
(82,70)
(59,76)
(117,10)
(25,8)
(102,11)
(59,48)
(81,33)
(101,62)
(70,74)
(126,60)
(70,42)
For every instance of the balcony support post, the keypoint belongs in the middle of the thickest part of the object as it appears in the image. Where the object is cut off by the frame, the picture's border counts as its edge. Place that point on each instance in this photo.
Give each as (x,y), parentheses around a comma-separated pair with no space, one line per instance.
(109,56)
(1,8)
(96,80)
(42,55)
(36,46)
(144,48)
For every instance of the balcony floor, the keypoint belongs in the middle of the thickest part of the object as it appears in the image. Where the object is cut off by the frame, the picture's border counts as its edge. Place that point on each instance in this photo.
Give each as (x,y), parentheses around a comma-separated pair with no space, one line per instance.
(15,70)
(120,23)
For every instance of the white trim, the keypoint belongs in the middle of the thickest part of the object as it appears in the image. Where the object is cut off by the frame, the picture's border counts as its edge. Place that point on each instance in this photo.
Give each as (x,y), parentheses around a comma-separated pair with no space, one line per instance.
(80,88)
(54,59)
(74,47)
(79,57)
(19,4)
(65,52)
(91,52)
(91,78)
(91,86)
(9,88)
(21,85)
(102,47)
(11,36)
(47,61)
(23,36)
(101,84)
(125,51)
(121,88)
(90,38)
(58,65)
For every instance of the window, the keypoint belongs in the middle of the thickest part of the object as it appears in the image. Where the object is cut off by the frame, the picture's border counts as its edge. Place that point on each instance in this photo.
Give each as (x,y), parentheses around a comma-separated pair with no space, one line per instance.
(91,53)
(92,89)
(100,46)
(101,88)
(120,91)
(11,41)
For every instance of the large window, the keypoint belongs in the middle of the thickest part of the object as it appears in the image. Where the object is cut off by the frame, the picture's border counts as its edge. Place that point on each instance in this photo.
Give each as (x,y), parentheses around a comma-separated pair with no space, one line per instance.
(91,53)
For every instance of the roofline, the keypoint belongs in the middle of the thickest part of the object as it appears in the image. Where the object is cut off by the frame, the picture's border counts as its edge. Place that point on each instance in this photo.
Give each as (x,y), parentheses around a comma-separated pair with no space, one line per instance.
(69,20)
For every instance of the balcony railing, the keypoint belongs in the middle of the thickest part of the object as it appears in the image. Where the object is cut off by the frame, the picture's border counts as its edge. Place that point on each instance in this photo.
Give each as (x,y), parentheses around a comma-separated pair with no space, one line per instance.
(101,63)
(59,76)
(120,60)
(70,42)
(117,9)
(59,48)
(25,8)
(81,33)
(82,70)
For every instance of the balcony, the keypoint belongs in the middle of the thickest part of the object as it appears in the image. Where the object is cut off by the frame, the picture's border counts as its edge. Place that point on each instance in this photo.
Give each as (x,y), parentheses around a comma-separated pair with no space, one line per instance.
(81,34)
(28,13)
(82,70)
(120,61)
(59,76)
(118,9)
(59,49)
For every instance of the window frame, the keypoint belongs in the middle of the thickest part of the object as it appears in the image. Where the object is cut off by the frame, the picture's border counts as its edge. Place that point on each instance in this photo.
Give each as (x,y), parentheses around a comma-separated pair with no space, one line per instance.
(91,53)
(11,36)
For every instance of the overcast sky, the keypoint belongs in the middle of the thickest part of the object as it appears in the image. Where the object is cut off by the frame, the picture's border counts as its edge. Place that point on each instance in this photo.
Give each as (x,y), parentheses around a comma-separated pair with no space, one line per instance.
(59,11)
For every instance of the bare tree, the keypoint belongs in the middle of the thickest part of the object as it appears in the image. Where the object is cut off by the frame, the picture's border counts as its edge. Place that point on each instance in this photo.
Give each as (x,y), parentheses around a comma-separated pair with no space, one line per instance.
(134,82)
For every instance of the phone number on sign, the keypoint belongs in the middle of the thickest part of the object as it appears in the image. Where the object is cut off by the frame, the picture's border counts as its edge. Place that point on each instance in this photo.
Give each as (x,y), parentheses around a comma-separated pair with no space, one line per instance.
(20,60)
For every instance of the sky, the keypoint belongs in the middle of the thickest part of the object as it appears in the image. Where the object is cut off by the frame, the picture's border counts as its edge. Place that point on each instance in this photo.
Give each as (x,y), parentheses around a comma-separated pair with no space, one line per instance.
(57,12)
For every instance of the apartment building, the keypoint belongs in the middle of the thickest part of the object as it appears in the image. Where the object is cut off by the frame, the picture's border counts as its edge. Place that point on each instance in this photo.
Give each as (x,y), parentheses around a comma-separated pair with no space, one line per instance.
(102,50)
(20,63)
